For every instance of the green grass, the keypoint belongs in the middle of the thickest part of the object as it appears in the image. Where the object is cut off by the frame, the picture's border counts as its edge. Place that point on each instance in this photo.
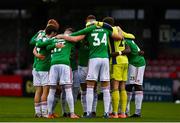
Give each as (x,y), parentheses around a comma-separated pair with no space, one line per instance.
(18,109)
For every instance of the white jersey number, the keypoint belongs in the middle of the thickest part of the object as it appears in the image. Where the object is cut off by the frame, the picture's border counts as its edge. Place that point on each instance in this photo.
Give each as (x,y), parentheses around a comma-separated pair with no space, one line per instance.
(97,40)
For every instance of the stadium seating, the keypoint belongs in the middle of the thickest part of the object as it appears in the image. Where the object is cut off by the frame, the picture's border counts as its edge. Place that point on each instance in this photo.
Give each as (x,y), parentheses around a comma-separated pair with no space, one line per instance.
(163,67)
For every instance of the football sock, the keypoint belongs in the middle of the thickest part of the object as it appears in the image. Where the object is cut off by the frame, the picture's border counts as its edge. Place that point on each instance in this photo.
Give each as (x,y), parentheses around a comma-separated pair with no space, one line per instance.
(37,107)
(75,94)
(138,101)
(123,100)
(50,100)
(83,100)
(95,100)
(89,99)
(106,99)
(44,107)
(56,98)
(129,94)
(115,101)
(63,101)
(69,99)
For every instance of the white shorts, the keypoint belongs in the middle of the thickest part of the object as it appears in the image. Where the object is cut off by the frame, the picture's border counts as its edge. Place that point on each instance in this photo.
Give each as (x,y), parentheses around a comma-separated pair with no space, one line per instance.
(61,74)
(82,74)
(135,75)
(76,82)
(98,67)
(40,78)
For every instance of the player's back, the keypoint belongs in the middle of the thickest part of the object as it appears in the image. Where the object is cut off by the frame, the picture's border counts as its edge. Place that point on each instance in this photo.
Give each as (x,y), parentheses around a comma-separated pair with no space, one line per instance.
(116,46)
(98,42)
(134,57)
(61,55)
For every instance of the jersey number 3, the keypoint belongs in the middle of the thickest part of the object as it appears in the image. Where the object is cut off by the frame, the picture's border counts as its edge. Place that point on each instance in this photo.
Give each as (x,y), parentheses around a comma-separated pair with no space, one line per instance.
(98,41)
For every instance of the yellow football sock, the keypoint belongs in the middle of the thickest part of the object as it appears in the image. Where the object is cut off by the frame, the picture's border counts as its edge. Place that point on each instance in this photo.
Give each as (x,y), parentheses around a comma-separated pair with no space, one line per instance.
(115,100)
(123,96)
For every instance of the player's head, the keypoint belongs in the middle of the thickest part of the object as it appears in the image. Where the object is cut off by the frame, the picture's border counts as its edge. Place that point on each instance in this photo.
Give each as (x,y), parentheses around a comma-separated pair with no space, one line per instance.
(68,31)
(52,27)
(90,19)
(109,20)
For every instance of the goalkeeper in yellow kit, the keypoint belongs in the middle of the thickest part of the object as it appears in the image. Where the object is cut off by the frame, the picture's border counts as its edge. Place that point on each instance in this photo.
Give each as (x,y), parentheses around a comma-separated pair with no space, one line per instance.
(119,70)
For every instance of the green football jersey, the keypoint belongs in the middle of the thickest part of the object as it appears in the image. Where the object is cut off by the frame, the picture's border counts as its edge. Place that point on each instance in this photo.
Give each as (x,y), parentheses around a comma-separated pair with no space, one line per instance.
(98,41)
(43,65)
(83,53)
(134,58)
(60,55)
(33,41)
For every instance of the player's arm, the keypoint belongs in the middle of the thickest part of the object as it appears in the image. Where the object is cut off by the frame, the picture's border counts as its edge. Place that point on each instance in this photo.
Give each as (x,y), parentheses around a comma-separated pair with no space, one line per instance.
(84,31)
(128,35)
(71,38)
(40,43)
(77,36)
(54,45)
(33,39)
(36,54)
(117,36)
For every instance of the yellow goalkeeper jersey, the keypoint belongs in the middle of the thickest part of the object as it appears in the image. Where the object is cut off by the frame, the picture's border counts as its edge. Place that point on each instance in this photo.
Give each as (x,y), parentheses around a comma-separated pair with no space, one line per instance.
(116,46)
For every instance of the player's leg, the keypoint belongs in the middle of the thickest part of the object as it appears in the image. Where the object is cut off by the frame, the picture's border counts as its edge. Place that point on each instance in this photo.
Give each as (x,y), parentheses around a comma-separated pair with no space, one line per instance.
(63,102)
(105,84)
(116,75)
(82,73)
(83,98)
(115,97)
(56,99)
(50,100)
(138,91)
(66,81)
(44,100)
(138,100)
(95,101)
(44,80)
(37,100)
(123,93)
(38,93)
(92,77)
(129,88)
(106,97)
(53,78)
(123,99)
(76,86)
(89,96)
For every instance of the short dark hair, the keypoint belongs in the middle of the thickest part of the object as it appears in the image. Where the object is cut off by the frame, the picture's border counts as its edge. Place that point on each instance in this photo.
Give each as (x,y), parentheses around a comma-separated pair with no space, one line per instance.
(49,29)
(109,20)
(89,17)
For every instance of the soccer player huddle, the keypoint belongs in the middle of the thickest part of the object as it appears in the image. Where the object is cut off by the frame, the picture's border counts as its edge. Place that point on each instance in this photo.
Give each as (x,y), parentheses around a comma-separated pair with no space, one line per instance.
(72,62)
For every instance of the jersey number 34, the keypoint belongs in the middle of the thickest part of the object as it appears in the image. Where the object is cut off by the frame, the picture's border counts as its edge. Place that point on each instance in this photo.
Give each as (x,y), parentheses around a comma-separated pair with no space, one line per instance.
(97,40)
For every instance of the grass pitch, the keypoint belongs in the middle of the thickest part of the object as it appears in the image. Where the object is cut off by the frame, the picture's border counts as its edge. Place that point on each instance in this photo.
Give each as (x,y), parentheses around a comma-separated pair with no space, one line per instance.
(20,109)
